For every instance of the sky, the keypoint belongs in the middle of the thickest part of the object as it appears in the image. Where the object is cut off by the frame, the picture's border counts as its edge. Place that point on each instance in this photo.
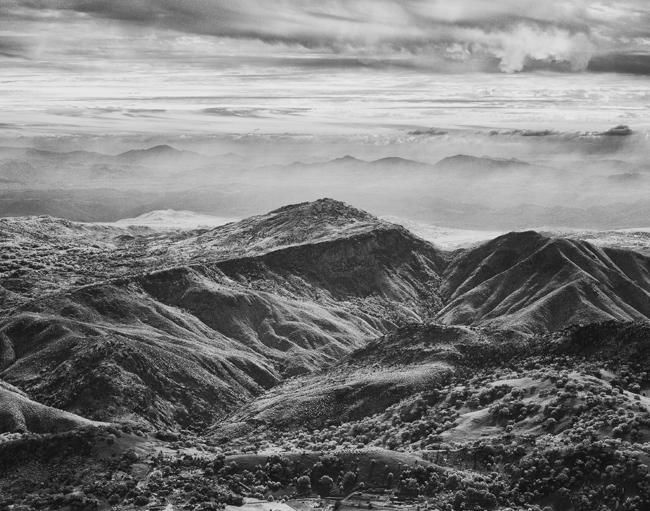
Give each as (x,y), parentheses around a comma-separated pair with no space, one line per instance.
(321,66)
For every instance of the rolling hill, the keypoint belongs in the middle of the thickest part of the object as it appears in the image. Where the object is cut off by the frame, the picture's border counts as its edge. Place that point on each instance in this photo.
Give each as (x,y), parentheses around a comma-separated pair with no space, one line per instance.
(424,386)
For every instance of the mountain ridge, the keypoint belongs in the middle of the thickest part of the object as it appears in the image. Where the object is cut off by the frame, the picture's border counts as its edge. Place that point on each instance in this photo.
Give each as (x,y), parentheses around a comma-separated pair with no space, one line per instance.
(277,295)
(275,313)
(545,277)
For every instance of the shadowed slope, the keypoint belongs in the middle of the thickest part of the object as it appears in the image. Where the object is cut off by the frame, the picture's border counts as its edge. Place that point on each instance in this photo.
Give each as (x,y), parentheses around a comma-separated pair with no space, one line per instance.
(19,414)
(153,362)
(532,283)
(115,351)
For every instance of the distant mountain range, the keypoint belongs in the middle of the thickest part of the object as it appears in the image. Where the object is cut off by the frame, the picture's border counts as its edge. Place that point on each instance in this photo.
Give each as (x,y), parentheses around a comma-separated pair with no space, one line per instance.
(457,163)
(160,154)
(460,191)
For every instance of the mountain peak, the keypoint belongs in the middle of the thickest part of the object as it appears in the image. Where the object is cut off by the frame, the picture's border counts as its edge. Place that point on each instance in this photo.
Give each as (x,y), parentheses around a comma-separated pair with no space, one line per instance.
(621,130)
(306,223)
(519,237)
(325,207)
(347,159)
(157,151)
(460,157)
(397,160)
(163,148)
(465,160)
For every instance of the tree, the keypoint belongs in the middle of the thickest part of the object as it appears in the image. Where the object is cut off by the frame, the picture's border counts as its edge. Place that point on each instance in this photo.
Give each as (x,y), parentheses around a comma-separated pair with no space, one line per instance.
(373,465)
(348,482)
(325,485)
(409,487)
(459,500)
(218,462)
(303,485)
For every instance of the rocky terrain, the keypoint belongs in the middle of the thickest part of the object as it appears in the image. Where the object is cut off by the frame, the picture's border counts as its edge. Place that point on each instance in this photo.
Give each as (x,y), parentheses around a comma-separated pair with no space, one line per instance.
(175,367)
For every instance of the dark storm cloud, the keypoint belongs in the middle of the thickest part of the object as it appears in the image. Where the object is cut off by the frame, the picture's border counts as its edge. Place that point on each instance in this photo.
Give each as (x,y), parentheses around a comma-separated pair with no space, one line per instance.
(637,64)
(512,35)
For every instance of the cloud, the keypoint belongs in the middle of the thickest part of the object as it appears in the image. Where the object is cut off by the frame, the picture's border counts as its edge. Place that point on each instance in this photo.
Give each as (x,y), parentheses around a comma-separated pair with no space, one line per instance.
(621,63)
(505,35)
(12,47)
(528,43)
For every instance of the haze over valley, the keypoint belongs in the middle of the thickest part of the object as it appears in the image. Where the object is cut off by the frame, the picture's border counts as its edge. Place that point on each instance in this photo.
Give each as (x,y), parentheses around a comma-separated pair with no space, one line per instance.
(469,191)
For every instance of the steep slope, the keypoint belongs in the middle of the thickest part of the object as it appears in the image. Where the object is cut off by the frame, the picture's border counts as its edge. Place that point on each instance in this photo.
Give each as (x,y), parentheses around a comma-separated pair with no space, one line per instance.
(111,354)
(533,283)
(190,343)
(19,414)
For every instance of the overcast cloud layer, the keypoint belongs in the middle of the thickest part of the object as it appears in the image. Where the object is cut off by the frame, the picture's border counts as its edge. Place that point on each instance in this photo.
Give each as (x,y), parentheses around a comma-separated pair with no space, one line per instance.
(436,35)
(322,66)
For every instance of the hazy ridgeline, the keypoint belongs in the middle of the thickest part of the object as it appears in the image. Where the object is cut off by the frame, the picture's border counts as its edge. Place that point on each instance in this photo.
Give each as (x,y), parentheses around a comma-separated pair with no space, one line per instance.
(462,178)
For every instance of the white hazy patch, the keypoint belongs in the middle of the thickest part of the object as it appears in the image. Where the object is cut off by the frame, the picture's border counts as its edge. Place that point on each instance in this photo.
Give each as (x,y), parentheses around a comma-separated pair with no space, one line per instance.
(629,239)
(446,238)
(260,505)
(635,230)
(172,219)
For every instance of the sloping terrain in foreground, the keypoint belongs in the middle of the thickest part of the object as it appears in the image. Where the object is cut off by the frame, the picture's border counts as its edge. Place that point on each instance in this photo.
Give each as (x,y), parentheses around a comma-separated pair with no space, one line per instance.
(524,410)
(557,421)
